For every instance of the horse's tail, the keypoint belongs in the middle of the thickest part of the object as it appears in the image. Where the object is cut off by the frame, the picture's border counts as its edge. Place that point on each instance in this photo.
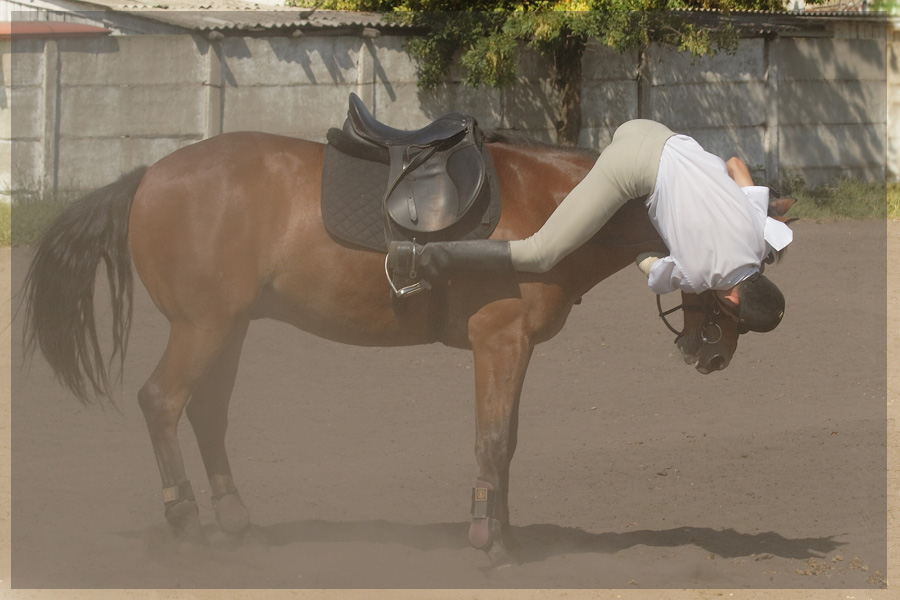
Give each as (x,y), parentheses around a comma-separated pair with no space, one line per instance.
(59,287)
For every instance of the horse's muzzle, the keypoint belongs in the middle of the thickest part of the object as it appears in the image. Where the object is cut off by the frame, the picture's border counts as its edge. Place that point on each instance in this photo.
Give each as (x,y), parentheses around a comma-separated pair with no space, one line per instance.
(715,363)
(704,358)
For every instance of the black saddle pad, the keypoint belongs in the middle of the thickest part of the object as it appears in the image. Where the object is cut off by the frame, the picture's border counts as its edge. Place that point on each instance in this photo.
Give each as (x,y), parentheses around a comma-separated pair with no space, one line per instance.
(353,189)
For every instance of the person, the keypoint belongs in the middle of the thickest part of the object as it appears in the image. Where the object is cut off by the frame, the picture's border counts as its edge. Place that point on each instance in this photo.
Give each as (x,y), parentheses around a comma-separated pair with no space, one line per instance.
(709,214)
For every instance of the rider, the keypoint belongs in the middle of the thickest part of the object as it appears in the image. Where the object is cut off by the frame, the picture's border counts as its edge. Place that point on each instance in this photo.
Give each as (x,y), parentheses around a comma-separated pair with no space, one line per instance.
(708,212)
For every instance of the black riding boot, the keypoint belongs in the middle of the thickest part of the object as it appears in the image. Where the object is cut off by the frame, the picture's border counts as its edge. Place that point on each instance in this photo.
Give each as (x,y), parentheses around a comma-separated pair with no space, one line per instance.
(436,262)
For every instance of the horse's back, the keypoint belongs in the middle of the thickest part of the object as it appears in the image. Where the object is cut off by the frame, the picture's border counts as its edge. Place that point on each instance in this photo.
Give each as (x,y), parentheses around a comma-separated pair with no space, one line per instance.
(231,227)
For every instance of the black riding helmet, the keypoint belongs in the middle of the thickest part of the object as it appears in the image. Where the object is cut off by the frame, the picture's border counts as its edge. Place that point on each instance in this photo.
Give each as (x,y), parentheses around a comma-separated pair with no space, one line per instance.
(760,305)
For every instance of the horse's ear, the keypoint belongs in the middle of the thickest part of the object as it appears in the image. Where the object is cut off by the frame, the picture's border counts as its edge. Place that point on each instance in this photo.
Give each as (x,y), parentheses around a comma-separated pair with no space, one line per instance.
(779,207)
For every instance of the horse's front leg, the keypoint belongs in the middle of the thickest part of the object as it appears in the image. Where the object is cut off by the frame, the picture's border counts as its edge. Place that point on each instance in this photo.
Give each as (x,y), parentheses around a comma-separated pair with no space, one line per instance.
(501,360)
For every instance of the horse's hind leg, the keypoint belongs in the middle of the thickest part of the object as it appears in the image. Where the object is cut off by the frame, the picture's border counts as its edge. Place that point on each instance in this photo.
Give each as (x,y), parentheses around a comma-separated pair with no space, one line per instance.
(190,352)
(207,412)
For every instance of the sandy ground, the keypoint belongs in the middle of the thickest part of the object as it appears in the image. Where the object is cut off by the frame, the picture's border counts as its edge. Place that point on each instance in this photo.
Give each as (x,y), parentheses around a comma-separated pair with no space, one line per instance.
(633,472)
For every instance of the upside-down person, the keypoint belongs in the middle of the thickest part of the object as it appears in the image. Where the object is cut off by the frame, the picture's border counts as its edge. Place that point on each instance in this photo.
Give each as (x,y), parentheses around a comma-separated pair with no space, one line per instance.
(709,214)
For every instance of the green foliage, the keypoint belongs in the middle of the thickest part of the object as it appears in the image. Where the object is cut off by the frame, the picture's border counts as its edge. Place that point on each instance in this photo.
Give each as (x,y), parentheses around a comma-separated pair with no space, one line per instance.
(893,201)
(5,224)
(847,199)
(891,7)
(487,42)
(484,35)
(30,217)
(488,56)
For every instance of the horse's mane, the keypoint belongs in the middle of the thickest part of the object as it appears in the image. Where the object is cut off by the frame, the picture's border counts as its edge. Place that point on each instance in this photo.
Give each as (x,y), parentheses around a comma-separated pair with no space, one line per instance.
(521,141)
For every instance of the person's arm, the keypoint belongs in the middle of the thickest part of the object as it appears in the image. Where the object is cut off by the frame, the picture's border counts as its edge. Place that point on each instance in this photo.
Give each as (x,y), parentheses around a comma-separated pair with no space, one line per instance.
(737,170)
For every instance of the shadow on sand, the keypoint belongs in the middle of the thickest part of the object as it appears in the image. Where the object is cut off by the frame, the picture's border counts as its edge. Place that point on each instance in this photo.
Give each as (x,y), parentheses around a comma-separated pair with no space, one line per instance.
(539,542)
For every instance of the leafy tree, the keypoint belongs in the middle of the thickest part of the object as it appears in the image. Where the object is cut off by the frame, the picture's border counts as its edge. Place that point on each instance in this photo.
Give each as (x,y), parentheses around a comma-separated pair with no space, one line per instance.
(890,7)
(485,36)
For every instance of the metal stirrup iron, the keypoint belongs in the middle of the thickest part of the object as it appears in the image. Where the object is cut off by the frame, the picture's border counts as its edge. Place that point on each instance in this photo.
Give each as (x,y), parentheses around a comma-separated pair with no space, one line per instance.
(409,270)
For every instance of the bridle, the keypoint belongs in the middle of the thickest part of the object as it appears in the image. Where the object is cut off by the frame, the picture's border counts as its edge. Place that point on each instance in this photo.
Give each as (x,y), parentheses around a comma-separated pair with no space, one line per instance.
(710,333)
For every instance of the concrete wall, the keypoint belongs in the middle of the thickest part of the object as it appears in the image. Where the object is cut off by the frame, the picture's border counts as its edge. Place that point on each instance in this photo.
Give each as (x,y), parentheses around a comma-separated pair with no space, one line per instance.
(82,112)
(832,102)
(893,103)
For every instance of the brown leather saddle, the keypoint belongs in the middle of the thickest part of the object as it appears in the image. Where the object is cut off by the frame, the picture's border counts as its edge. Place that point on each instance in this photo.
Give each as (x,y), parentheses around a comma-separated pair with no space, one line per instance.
(382,184)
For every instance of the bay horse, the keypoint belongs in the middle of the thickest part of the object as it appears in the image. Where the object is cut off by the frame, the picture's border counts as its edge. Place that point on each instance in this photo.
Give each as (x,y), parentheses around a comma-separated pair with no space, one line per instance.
(229,229)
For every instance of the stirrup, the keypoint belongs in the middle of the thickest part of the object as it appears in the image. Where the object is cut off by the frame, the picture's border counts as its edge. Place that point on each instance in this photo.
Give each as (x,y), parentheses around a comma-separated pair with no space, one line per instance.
(408,290)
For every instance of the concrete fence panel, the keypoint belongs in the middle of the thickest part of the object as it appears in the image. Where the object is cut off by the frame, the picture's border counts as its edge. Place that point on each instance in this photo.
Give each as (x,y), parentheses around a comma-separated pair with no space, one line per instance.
(82,112)
(832,106)
(23,108)
(142,61)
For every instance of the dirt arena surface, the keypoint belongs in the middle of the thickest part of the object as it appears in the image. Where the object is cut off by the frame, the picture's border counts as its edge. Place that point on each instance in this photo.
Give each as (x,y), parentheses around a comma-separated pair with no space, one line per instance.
(633,471)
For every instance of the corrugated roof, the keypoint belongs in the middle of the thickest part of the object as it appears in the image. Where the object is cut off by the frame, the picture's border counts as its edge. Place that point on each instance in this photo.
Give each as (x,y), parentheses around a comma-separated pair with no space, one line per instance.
(273,21)
(232,17)
(238,17)
(810,11)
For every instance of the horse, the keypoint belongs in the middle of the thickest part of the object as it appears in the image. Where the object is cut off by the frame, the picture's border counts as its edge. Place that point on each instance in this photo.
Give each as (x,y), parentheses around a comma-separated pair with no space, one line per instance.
(229,230)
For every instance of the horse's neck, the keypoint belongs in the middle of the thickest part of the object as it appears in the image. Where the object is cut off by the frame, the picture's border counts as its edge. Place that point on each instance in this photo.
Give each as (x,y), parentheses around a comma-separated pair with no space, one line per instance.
(537,179)
(534,179)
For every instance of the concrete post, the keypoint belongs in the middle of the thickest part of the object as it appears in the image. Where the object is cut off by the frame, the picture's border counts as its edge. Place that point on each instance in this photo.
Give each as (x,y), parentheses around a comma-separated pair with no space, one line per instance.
(893,100)
(215,91)
(770,139)
(365,69)
(50,116)
(644,86)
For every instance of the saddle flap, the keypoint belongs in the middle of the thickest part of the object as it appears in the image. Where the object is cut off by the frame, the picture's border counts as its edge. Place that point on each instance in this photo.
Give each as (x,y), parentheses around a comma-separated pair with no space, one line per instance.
(436,194)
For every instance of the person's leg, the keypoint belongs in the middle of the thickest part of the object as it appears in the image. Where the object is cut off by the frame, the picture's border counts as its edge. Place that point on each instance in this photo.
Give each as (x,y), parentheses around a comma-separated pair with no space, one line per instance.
(626,169)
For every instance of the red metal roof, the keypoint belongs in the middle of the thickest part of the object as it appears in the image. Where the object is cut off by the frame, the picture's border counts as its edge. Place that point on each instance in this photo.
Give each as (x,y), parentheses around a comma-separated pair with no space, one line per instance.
(48,29)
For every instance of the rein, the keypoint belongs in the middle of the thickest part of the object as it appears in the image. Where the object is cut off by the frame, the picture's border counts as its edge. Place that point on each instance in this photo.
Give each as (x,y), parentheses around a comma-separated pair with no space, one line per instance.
(710,333)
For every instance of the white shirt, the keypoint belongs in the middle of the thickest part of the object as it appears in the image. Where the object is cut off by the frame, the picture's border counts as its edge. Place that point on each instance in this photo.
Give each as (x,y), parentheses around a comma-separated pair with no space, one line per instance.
(717,233)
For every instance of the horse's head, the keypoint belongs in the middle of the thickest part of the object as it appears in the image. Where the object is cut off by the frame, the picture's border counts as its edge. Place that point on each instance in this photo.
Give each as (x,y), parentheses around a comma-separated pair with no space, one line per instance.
(710,336)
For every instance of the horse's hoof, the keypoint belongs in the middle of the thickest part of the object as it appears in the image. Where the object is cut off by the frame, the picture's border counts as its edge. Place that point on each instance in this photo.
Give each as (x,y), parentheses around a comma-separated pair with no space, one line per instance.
(184,520)
(232,516)
(182,538)
(488,535)
(481,533)
(500,556)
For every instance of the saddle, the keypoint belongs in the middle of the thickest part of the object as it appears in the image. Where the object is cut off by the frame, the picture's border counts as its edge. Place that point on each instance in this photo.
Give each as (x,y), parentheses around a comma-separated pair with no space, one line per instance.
(382,184)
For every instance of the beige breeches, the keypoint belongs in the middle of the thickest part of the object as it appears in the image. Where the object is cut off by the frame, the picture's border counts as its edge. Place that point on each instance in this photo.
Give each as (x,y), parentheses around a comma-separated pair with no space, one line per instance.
(626,169)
